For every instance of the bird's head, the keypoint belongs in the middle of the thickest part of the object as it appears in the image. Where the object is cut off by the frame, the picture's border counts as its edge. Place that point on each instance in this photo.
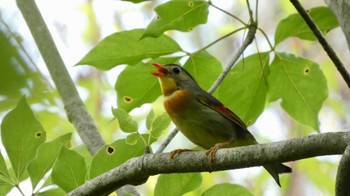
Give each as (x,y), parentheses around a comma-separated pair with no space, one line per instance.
(173,77)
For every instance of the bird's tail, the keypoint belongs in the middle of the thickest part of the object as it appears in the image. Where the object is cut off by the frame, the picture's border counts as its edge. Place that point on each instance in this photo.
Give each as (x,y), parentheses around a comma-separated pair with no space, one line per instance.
(277,168)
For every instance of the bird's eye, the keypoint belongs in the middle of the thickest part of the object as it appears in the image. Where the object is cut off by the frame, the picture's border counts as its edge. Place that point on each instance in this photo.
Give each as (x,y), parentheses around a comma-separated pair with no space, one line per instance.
(176,70)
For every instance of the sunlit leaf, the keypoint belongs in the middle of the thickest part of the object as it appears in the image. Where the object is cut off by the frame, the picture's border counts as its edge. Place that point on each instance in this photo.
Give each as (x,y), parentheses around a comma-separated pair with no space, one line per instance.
(226,189)
(182,15)
(46,157)
(177,184)
(301,85)
(160,123)
(3,168)
(52,192)
(69,171)
(244,88)
(21,135)
(136,85)
(132,138)
(149,119)
(295,26)
(126,47)
(204,67)
(126,123)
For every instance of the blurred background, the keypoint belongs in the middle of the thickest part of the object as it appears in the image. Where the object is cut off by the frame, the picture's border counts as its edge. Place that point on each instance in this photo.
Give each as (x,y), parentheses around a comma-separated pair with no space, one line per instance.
(77,26)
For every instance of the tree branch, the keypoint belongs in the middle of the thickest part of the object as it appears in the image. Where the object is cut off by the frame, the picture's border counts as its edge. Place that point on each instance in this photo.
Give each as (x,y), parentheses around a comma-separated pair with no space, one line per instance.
(136,170)
(340,9)
(343,174)
(317,32)
(74,106)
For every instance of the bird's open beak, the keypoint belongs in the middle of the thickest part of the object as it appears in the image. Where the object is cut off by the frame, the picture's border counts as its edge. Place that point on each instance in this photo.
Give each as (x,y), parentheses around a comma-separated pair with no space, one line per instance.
(161,70)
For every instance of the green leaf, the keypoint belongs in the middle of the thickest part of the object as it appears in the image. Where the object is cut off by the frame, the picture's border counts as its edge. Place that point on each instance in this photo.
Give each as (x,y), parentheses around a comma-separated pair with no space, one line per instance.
(69,170)
(295,26)
(149,119)
(301,85)
(177,184)
(126,48)
(244,88)
(159,124)
(226,189)
(182,15)
(136,85)
(132,138)
(52,192)
(113,155)
(21,135)
(3,168)
(126,123)
(204,67)
(46,157)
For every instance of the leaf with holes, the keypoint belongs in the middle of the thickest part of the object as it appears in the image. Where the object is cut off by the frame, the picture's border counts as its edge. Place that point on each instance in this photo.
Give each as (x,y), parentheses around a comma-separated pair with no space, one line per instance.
(126,123)
(126,48)
(21,135)
(204,67)
(301,85)
(69,171)
(46,157)
(182,15)
(244,88)
(113,155)
(295,26)
(177,184)
(136,85)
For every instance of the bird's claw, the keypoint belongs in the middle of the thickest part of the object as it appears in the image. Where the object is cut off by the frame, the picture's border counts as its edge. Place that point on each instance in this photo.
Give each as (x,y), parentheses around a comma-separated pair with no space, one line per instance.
(178,151)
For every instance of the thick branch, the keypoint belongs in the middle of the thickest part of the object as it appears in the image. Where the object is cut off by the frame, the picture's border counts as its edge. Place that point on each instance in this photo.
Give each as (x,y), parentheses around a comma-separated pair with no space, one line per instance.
(317,32)
(340,9)
(74,106)
(343,174)
(136,170)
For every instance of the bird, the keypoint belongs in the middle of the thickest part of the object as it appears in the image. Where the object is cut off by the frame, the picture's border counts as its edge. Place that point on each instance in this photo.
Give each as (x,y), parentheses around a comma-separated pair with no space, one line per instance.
(202,118)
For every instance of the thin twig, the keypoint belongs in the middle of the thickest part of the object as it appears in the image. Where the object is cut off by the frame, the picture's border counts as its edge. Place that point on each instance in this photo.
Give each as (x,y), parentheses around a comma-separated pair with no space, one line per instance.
(317,32)
(74,106)
(247,41)
(228,13)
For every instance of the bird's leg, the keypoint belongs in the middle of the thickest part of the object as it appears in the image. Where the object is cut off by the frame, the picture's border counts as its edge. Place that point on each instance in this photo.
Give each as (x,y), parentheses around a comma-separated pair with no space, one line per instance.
(178,151)
(216,147)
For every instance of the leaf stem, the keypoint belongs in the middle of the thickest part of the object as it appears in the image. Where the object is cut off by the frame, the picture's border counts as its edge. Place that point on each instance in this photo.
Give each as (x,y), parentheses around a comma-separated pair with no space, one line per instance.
(247,41)
(322,40)
(233,16)
(219,39)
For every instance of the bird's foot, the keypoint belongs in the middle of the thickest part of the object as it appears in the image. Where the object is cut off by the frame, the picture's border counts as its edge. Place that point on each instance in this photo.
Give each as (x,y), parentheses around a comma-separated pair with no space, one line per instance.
(178,151)
(212,151)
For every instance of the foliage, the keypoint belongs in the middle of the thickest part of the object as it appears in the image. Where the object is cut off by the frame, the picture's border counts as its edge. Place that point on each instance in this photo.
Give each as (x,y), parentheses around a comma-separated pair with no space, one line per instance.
(257,79)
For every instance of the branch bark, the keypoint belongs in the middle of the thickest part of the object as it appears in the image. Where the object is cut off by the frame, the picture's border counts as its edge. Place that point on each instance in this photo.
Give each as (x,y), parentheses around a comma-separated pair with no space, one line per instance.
(74,106)
(340,9)
(136,170)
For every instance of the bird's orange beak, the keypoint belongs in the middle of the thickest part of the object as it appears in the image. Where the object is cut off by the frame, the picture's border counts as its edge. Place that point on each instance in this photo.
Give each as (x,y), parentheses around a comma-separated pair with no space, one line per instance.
(161,70)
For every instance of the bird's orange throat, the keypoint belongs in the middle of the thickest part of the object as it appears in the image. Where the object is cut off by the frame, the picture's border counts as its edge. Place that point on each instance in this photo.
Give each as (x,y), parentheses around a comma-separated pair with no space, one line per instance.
(168,86)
